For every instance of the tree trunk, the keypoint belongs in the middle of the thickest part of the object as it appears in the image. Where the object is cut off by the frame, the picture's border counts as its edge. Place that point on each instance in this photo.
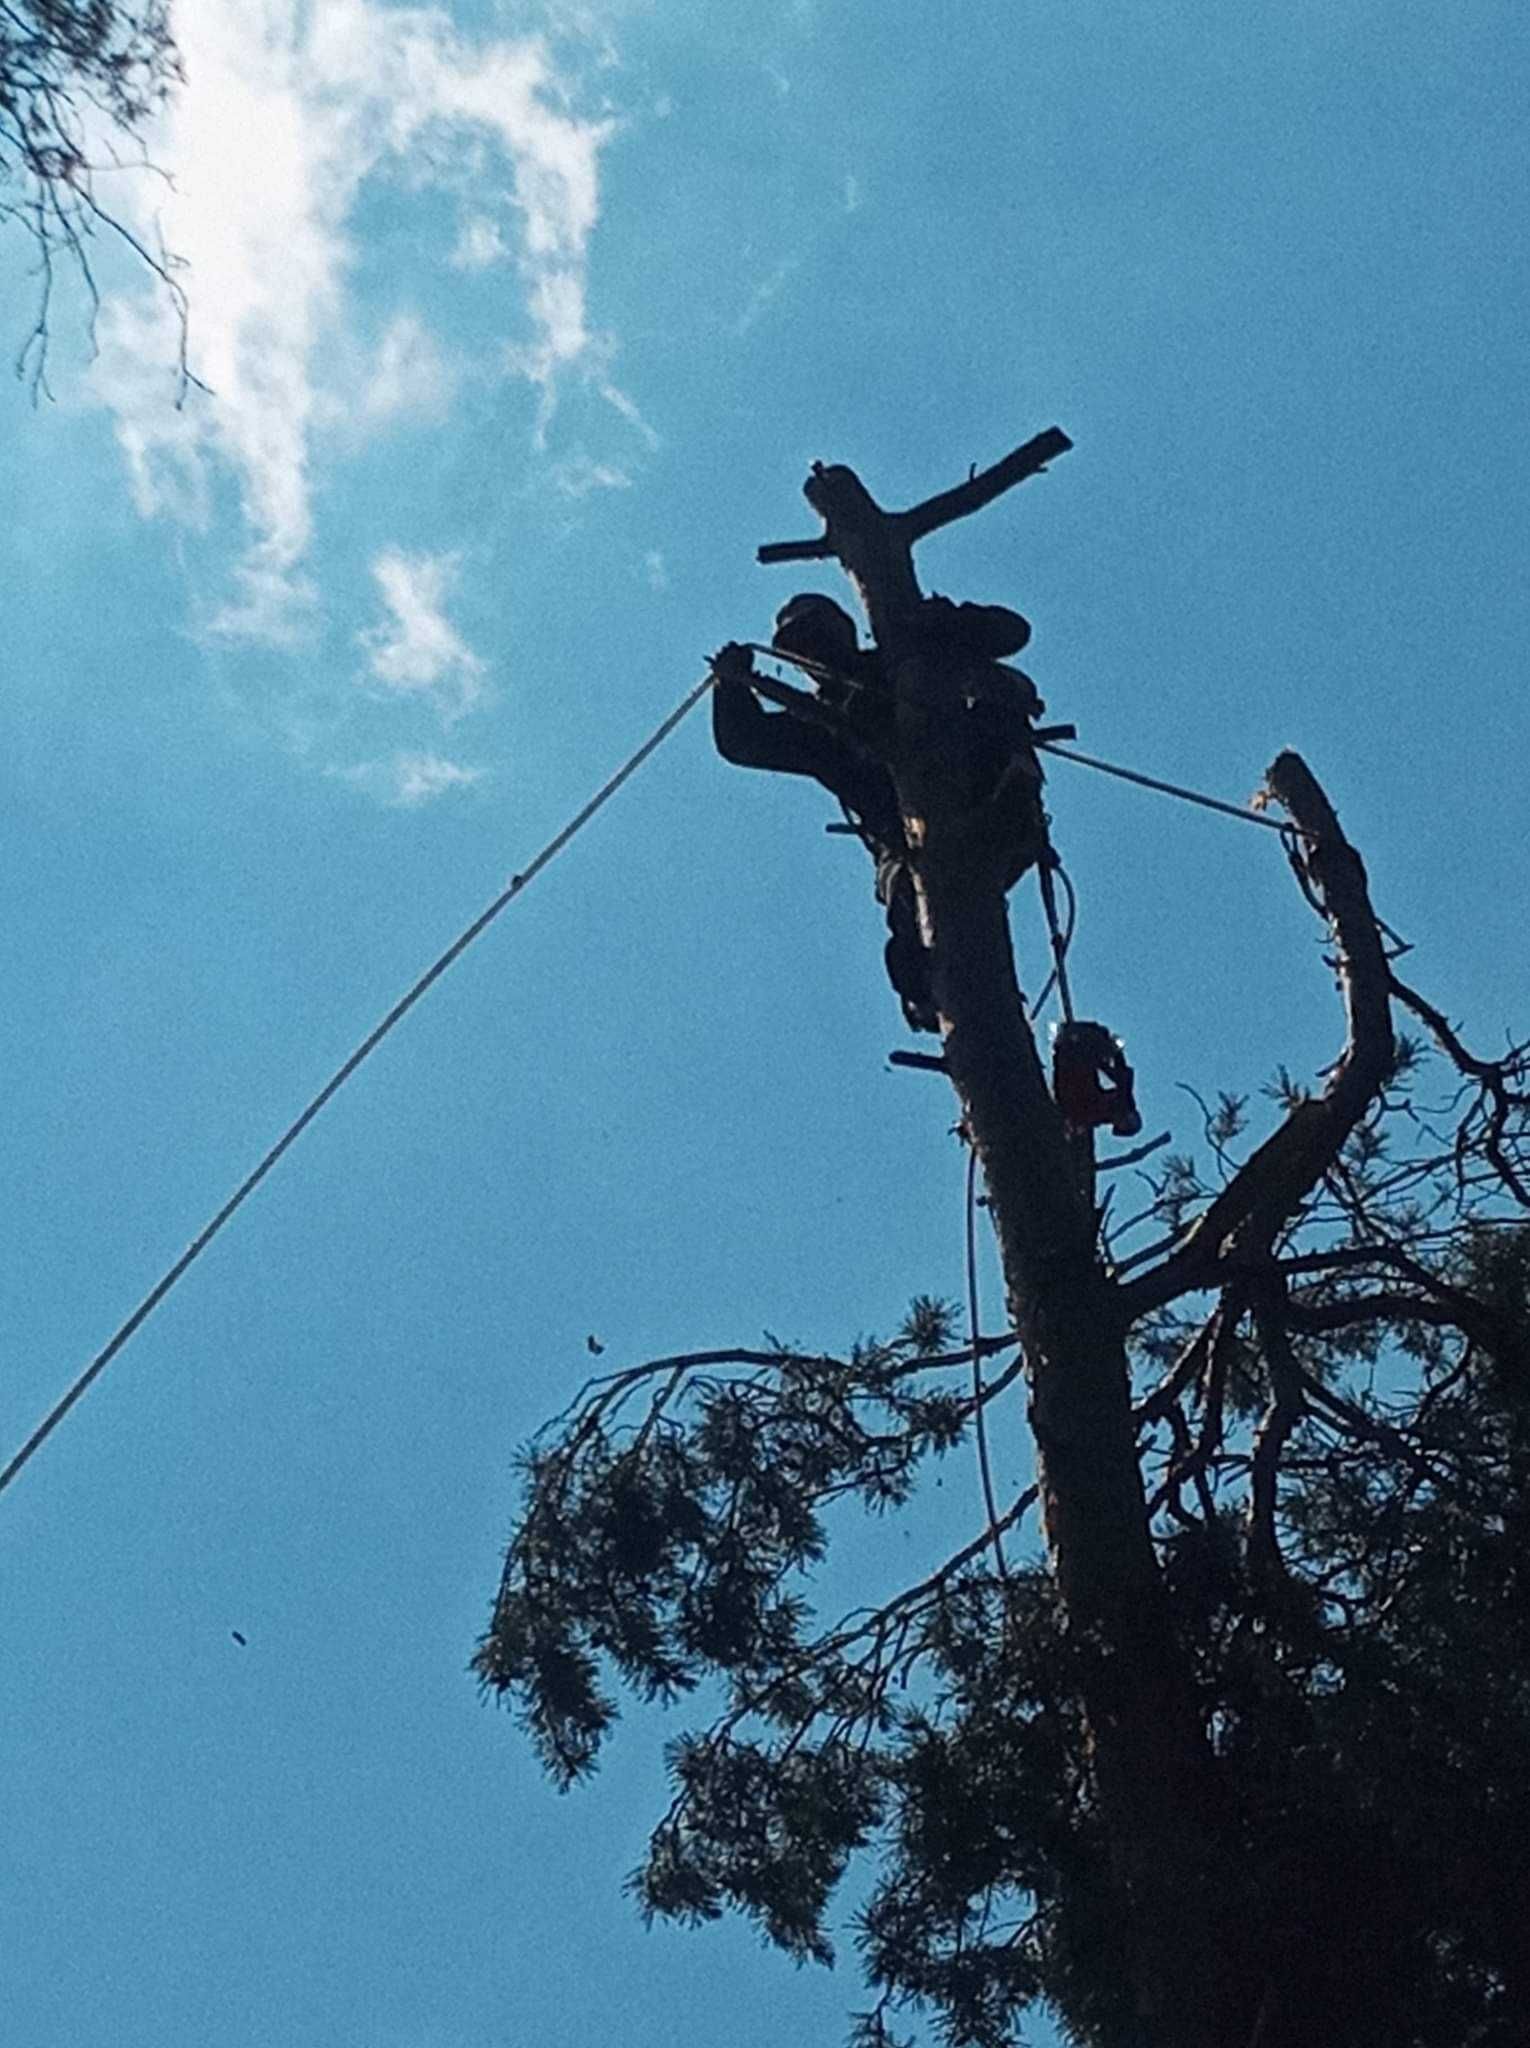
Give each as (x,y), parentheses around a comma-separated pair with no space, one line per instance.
(1193,1958)
(1154,1771)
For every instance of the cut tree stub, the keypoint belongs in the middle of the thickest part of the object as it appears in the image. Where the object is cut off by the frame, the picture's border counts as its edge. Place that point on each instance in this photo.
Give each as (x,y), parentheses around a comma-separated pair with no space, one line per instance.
(875,547)
(872,547)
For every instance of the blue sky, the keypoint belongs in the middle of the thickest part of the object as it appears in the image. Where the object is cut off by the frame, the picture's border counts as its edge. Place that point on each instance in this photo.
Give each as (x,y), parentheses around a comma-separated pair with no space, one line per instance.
(522,327)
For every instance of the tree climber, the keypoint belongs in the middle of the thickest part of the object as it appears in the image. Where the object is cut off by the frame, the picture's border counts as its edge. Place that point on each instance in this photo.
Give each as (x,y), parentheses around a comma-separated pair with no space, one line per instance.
(842,734)
(830,736)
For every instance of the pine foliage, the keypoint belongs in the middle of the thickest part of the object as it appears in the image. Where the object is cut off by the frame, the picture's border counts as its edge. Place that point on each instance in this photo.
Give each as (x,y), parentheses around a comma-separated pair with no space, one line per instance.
(1358,1630)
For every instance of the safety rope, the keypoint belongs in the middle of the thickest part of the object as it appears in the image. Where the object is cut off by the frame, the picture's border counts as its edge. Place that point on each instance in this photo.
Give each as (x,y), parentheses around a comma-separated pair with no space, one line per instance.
(1060,939)
(1189,796)
(1047,869)
(979,1420)
(342,1074)
(821,672)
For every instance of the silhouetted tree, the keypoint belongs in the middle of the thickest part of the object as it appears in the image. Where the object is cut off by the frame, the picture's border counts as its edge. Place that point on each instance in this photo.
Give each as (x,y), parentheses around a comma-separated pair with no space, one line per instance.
(79,81)
(1232,1755)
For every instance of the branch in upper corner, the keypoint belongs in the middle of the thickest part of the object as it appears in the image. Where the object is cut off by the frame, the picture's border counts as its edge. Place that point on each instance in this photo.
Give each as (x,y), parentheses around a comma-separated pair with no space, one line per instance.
(1268,1189)
(988,484)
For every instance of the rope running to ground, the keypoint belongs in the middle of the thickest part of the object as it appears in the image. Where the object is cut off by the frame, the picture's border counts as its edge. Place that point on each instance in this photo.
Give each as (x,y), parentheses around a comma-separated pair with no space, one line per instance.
(342,1074)
(979,1419)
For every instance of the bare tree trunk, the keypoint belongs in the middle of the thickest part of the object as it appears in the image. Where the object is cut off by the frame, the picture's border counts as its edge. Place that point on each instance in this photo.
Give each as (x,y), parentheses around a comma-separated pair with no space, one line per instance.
(1154,1771)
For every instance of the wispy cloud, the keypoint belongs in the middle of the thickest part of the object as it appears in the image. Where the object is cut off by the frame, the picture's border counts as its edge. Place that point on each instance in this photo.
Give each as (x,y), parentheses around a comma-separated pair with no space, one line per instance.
(417,651)
(765,292)
(406,780)
(409,374)
(622,404)
(579,474)
(656,569)
(480,242)
(290,113)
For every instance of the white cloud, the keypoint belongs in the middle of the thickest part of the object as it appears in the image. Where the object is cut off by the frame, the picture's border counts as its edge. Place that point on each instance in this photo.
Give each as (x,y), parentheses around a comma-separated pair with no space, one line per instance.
(417,652)
(656,569)
(852,193)
(275,603)
(404,780)
(409,374)
(557,307)
(290,110)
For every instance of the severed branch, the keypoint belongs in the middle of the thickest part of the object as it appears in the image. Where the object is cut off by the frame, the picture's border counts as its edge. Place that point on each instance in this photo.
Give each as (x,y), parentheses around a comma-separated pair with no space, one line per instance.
(1247,1216)
(796,551)
(876,547)
(1030,459)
